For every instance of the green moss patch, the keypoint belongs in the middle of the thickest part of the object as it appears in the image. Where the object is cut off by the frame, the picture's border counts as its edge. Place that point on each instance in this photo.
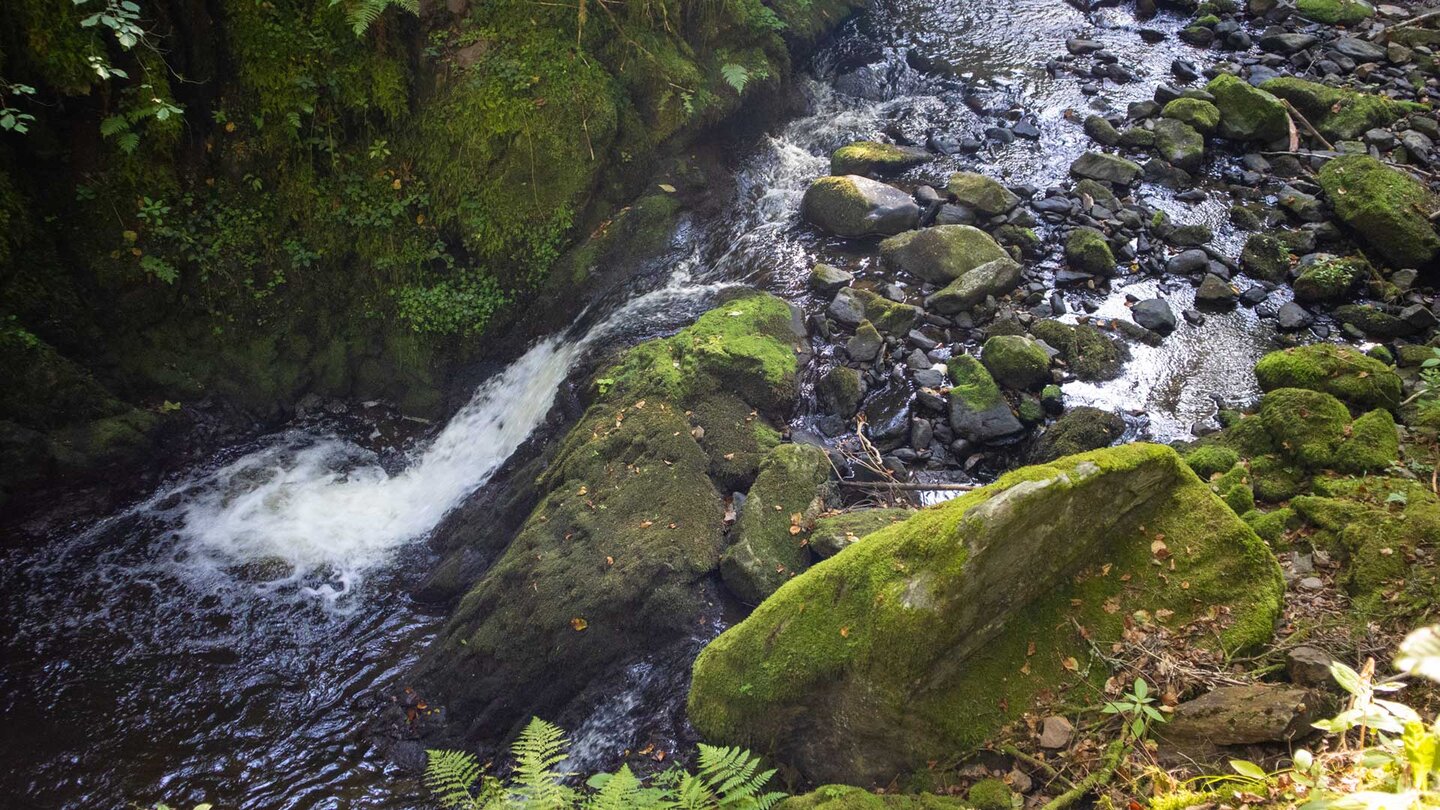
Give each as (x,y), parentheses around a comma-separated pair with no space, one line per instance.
(1360,381)
(1387,208)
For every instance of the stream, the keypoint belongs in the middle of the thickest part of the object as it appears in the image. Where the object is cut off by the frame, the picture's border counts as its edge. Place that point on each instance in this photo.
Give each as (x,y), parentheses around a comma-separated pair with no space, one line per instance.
(226,637)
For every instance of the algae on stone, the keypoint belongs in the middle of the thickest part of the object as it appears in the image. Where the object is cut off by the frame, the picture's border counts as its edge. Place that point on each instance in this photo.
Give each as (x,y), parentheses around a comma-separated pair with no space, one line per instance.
(981,193)
(1087,251)
(1339,113)
(870,157)
(940,254)
(1016,361)
(1089,353)
(1247,113)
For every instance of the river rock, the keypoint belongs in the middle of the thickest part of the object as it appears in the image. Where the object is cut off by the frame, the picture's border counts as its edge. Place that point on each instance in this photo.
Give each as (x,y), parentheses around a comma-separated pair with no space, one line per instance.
(1154,314)
(1198,114)
(978,413)
(1358,380)
(1215,291)
(1385,207)
(870,157)
(1247,113)
(1339,113)
(1335,12)
(940,254)
(855,207)
(826,279)
(1242,715)
(1291,317)
(773,529)
(1087,352)
(835,533)
(839,391)
(1324,277)
(1079,429)
(866,344)
(978,192)
(1179,144)
(610,564)
(1087,251)
(900,668)
(1109,168)
(993,278)
(853,305)
(1265,258)
(1016,361)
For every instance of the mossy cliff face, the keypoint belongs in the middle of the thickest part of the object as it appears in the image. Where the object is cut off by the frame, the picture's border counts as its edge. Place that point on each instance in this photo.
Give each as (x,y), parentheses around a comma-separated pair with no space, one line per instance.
(608,565)
(912,644)
(345,214)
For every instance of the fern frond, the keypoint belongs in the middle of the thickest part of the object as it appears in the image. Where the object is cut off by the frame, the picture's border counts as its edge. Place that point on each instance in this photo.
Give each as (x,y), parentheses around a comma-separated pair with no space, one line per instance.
(617,791)
(450,775)
(536,784)
(363,13)
(733,777)
(737,76)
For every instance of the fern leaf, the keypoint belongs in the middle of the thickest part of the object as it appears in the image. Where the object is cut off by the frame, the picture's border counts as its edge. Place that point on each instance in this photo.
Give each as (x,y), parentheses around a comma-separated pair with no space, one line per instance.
(737,76)
(450,775)
(617,792)
(536,783)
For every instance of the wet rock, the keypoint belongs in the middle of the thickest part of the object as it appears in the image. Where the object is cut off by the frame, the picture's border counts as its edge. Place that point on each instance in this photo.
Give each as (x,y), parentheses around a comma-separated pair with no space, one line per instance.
(1109,168)
(888,416)
(1373,321)
(978,413)
(767,552)
(865,346)
(839,391)
(1304,207)
(1359,49)
(1080,47)
(1202,116)
(853,305)
(1187,262)
(1265,257)
(857,207)
(826,279)
(981,193)
(940,254)
(1101,131)
(1215,291)
(993,278)
(1385,207)
(1080,429)
(1324,277)
(1087,352)
(1242,715)
(1016,361)
(1087,251)
(1292,317)
(870,157)
(1154,314)
(1285,42)
(1247,113)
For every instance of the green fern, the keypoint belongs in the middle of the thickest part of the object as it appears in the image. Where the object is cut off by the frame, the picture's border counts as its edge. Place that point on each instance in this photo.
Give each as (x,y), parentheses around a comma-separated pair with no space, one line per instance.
(363,13)
(735,778)
(536,783)
(737,76)
(450,775)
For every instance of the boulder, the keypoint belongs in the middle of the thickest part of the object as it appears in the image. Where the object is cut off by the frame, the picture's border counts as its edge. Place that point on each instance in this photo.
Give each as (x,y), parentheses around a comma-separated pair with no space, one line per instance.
(1154,314)
(1335,12)
(1265,257)
(1248,113)
(1339,113)
(1242,715)
(1079,429)
(1016,361)
(1198,114)
(1387,208)
(1360,381)
(922,649)
(773,528)
(846,797)
(978,412)
(1087,352)
(1179,144)
(866,343)
(1109,168)
(856,207)
(996,277)
(1329,278)
(853,305)
(978,192)
(940,254)
(610,563)
(870,157)
(839,391)
(1087,251)
(828,280)
(835,533)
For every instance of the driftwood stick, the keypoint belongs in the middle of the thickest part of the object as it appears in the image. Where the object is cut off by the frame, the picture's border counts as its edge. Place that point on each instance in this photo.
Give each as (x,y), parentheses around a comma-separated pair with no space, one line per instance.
(1305,122)
(909,487)
(1429,15)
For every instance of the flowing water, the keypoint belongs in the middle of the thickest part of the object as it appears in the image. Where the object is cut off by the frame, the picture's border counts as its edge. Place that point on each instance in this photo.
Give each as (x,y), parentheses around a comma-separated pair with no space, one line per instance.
(225,638)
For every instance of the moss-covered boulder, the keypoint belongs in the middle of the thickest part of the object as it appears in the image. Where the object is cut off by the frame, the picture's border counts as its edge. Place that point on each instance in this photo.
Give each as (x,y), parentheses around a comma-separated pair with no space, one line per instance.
(1388,209)
(839,391)
(981,193)
(1106,168)
(1247,113)
(1264,257)
(846,797)
(610,563)
(1358,380)
(915,645)
(856,207)
(1079,429)
(870,157)
(978,412)
(835,533)
(1087,251)
(773,531)
(1339,113)
(1016,361)
(735,437)
(1335,12)
(1329,278)
(1179,144)
(993,278)
(855,305)
(1087,352)
(940,254)
(1199,114)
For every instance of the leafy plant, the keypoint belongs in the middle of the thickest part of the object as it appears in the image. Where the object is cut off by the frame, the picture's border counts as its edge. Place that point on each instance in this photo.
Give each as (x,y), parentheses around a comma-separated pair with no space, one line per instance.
(363,13)
(11,118)
(1137,709)
(737,76)
(726,779)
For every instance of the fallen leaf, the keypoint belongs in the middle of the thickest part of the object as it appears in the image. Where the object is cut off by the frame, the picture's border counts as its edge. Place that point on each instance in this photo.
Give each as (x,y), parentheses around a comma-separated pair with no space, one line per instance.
(844,632)
(1071,664)
(579,624)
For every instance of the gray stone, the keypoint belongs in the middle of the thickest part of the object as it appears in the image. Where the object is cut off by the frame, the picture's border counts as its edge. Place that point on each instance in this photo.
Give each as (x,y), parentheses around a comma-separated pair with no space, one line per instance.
(827,279)
(993,278)
(1154,314)
(855,207)
(1109,168)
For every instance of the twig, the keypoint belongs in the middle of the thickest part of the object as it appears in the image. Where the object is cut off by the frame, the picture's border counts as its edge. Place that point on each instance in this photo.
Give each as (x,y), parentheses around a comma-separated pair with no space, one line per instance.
(1404,24)
(1305,122)
(909,487)
(1098,779)
(1038,764)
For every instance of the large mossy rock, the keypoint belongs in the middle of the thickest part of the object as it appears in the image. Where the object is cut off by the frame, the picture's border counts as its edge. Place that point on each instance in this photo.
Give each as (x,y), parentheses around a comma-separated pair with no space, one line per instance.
(1247,113)
(1338,113)
(773,532)
(609,565)
(912,645)
(993,278)
(1357,379)
(940,254)
(856,207)
(1387,208)
(1329,278)
(1107,168)
(834,533)
(1335,12)
(1016,361)
(871,157)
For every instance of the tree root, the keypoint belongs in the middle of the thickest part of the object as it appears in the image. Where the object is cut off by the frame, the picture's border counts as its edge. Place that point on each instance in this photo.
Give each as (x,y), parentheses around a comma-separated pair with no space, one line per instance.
(1100,778)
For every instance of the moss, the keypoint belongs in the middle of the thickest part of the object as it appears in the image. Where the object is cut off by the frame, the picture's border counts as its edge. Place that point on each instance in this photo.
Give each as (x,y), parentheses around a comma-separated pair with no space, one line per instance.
(870,157)
(745,346)
(35,373)
(1180,145)
(845,797)
(1183,799)
(940,254)
(1359,381)
(1277,478)
(834,533)
(1247,113)
(1338,113)
(736,438)
(981,193)
(854,635)
(1265,257)
(1373,444)
(1086,251)
(839,206)
(972,384)
(1308,426)
(1335,12)
(839,391)
(1202,115)
(1016,361)
(1078,430)
(989,794)
(1386,207)
(1330,279)
(1210,460)
(1271,526)
(773,532)
(1233,487)
(890,317)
